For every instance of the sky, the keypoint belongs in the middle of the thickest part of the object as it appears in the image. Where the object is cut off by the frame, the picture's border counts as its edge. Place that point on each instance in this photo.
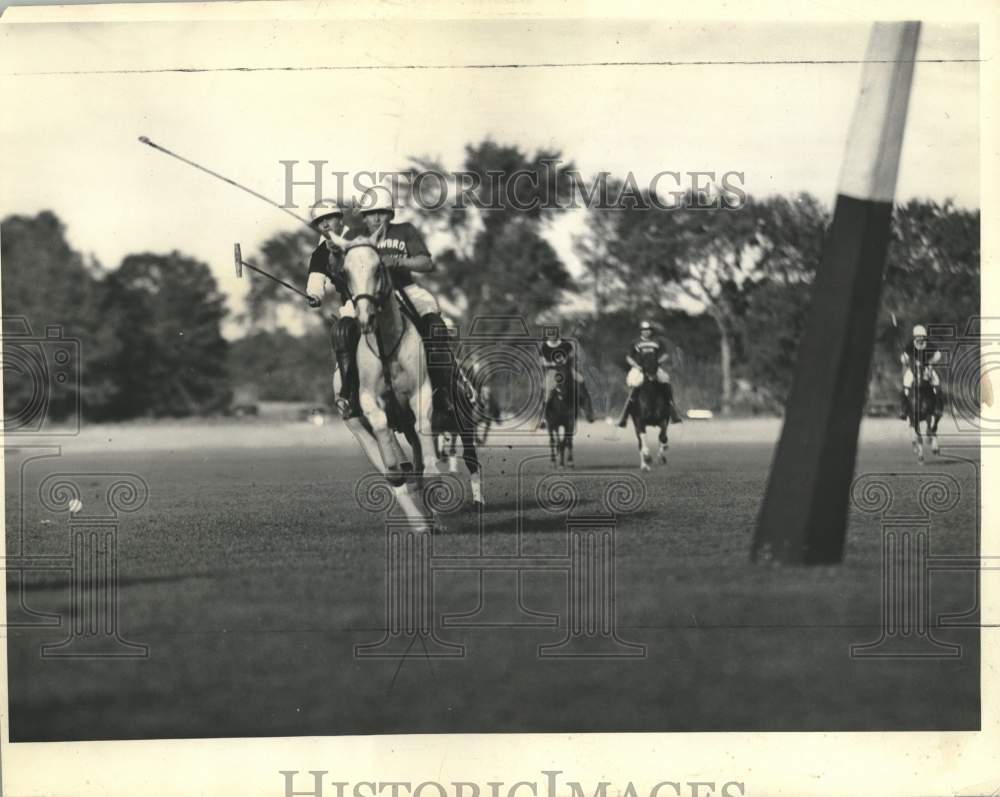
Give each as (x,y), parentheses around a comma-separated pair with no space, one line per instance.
(612,95)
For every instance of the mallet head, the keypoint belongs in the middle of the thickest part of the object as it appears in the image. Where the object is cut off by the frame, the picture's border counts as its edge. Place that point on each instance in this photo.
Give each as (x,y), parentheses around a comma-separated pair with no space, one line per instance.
(238,260)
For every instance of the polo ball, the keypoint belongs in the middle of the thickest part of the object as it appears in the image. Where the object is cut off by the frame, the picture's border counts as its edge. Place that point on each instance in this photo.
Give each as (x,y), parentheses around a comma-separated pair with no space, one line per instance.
(75,506)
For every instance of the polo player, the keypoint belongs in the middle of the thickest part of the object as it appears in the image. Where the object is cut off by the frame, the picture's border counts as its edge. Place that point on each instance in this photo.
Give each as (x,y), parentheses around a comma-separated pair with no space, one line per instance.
(404,252)
(326,263)
(918,355)
(558,355)
(648,358)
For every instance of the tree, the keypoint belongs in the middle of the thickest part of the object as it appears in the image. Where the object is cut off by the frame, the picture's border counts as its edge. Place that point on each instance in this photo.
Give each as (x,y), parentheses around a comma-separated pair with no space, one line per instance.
(932,276)
(284,367)
(167,312)
(499,261)
(50,285)
(707,252)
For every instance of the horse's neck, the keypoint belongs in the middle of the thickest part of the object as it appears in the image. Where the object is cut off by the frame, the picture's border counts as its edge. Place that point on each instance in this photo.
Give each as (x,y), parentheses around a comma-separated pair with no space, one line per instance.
(389,322)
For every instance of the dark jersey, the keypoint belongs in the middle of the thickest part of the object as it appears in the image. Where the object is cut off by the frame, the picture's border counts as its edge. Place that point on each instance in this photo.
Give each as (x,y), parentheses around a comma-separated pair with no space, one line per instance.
(402,239)
(559,356)
(647,353)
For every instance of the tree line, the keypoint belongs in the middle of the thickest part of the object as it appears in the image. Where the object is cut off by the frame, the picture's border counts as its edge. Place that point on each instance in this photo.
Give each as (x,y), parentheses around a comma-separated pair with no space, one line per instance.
(728,289)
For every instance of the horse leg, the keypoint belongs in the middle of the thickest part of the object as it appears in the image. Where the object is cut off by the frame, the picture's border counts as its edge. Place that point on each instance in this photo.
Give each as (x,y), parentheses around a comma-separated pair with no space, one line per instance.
(405,464)
(553,445)
(389,448)
(471,457)
(932,430)
(362,432)
(664,445)
(416,446)
(368,443)
(917,439)
(569,447)
(453,452)
(644,457)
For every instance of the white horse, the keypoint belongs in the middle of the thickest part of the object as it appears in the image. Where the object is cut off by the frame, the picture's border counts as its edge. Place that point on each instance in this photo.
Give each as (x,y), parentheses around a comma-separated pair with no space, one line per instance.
(398,396)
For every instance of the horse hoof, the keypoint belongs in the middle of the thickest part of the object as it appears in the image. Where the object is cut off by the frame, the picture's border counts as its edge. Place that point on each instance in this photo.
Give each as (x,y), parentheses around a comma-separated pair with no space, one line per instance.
(645,468)
(663,460)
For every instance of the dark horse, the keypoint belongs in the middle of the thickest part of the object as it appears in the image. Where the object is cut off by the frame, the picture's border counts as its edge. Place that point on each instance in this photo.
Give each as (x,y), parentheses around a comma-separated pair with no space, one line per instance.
(461,426)
(924,408)
(478,413)
(650,407)
(560,418)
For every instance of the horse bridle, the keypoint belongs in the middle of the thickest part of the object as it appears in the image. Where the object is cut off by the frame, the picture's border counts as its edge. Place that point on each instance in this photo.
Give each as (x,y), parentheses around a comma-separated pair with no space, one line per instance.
(384,291)
(382,281)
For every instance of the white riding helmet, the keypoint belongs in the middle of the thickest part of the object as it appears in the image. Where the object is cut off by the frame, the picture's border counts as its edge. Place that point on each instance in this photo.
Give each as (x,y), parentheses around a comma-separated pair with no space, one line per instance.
(645,325)
(324,209)
(920,331)
(378,197)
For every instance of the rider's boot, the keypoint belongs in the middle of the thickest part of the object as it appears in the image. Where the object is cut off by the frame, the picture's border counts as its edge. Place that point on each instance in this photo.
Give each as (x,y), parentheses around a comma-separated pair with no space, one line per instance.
(345,336)
(545,410)
(439,368)
(623,419)
(904,404)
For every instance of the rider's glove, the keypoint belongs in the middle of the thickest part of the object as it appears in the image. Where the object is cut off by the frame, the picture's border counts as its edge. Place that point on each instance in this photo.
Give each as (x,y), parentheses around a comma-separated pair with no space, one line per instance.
(315,288)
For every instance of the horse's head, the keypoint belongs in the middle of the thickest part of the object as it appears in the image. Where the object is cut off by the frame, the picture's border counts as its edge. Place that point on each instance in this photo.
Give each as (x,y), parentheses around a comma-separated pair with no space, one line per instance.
(368,280)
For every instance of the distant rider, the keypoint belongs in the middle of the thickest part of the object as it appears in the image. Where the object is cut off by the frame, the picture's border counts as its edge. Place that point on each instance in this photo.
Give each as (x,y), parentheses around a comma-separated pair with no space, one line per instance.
(648,359)
(558,355)
(919,356)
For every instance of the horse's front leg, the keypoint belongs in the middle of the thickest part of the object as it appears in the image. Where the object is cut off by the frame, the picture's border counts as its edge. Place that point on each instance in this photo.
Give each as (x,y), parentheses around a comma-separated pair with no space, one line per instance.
(664,444)
(390,450)
(917,441)
(417,448)
(359,428)
(368,443)
(644,457)
(553,445)
(471,457)
(932,430)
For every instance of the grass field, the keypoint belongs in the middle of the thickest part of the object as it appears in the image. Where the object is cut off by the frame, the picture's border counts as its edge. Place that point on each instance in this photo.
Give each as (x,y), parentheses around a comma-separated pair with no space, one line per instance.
(251,573)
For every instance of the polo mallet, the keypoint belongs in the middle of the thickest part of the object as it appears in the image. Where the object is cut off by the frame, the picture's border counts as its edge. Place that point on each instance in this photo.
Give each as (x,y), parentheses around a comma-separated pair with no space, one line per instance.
(239,263)
(225,179)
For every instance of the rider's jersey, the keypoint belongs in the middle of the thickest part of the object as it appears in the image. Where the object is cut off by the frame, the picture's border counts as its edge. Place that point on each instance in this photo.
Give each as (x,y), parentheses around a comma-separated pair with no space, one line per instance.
(559,356)
(402,239)
(648,353)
